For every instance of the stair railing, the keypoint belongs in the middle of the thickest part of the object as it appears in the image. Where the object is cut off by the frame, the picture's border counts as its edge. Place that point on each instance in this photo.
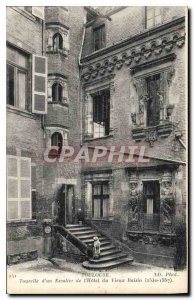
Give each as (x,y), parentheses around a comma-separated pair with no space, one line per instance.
(87,250)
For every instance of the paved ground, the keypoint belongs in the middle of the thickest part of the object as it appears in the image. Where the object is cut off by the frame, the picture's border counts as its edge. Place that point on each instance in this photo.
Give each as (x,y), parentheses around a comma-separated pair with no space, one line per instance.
(60,266)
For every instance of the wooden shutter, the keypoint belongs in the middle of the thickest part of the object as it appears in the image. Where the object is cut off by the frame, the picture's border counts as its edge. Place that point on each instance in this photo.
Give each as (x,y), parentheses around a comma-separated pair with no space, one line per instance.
(25,188)
(39,84)
(12,188)
(18,188)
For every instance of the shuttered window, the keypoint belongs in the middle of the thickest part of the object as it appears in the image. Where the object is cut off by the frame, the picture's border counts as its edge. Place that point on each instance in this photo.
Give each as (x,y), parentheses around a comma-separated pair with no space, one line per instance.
(39,84)
(99,37)
(18,188)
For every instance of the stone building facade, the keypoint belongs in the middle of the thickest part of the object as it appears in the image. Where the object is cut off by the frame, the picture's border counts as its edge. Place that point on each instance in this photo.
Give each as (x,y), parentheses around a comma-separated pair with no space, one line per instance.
(108,77)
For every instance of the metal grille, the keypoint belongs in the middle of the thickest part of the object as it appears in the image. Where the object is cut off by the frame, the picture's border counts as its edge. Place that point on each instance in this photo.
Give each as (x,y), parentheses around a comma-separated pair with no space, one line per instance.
(151,222)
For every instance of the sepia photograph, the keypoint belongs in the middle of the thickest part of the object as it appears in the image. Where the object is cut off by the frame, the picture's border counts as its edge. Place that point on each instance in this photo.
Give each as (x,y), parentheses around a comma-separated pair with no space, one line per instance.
(97,149)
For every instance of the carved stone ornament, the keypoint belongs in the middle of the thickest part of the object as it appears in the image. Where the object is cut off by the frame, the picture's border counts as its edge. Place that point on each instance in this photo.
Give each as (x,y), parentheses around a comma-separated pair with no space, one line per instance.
(146,51)
(133,202)
(151,137)
(133,118)
(167,200)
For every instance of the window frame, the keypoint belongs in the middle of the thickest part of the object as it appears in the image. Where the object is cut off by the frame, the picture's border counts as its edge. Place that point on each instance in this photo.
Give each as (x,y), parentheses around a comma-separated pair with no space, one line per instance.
(19,199)
(155,118)
(101,197)
(101,30)
(17,68)
(153,16)
(104,106)
(62,141)
(56,86)
(57,42)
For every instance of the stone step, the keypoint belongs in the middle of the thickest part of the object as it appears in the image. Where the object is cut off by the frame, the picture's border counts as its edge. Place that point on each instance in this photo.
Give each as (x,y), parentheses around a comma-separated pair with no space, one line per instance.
(106,248)
(107,265)
(103,241)
(84,232)
(80,228)
(87,236)
(110,252)
(107,258)
(74,226)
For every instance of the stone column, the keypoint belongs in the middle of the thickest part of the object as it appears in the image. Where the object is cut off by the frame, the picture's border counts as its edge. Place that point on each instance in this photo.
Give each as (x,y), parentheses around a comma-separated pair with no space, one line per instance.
(167,203)
(65,93)
(140,85)
(111,199)
(65,41)
(88,116)
(112,91)
(88,199)
(49,91)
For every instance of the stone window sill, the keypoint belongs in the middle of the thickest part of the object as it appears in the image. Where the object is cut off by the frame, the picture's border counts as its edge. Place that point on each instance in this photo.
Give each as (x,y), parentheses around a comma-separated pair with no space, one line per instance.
(21,223)
(58,103)
(20,111)
(88,139)
(59,51)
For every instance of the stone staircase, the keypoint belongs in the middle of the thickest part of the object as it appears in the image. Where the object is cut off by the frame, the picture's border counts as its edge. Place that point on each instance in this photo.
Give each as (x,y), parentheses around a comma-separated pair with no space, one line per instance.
(110,256)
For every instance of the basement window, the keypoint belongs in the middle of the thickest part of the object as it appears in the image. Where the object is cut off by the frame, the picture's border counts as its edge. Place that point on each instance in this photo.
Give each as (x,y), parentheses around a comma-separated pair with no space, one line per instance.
(101,113)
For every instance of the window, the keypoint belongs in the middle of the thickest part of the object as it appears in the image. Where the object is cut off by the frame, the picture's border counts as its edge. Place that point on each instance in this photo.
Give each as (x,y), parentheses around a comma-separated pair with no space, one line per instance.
(17,72)
(153,16)
(153,103)
(18,188)
(57,140)
(101,113)
(57,42)
(100,205)
(99,37)
(151,204)
(57,91)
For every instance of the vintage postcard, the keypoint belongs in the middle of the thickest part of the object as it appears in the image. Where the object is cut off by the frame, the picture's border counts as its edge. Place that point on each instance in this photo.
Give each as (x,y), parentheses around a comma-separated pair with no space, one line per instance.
(97,141)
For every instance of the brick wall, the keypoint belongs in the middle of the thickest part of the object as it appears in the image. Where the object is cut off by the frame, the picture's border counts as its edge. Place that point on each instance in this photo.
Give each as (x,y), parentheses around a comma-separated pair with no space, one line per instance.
(25,135)
(126,23)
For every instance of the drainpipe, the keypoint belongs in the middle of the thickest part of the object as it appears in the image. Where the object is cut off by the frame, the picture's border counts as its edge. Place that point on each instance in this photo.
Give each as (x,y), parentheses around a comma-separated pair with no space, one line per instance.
(43,46)
(80,65)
